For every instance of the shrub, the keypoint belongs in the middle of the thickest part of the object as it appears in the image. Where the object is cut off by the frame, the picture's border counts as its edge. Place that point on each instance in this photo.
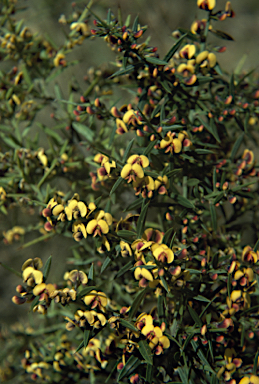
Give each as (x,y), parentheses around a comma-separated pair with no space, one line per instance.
(161,282)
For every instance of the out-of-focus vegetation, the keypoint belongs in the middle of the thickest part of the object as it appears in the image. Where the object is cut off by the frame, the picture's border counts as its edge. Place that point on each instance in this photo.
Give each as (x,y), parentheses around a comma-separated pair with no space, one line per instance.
(132,163)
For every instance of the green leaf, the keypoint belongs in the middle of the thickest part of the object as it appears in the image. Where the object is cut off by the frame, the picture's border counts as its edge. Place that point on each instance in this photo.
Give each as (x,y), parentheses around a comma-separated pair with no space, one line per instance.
(135,24)
(210,127)
(219,197)
(184,374)
(149,373)
(141,220)
(174,48)
(34,302)
(126,71)
(164,283)
(127,150)
(126,234)
(86,290)
(221,34)
(195,316)
(47,268)
(166,85)
(106,263)
(145,351)
(116,185)
(236,145)
(10,269)
(213,217)
(86,337)
(135,205)
(136,302)
(91,272)
(84,131)
(131,364)
(150,147)
(192,182)
(168,236)
(155,60)
(256,246)
(185,202)
(37,240)
(129,325)
(81,345)
(124,269)
(160,307)
(47,173)
(201,298)
(173,172)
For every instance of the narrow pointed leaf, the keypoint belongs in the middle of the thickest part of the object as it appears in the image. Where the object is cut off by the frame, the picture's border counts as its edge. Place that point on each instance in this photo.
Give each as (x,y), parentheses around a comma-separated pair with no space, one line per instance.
(127,151)
(174,48)
(136,303)
(116,185)
(131,364)
(86,337)
(47,268)
(83,130)
(141,220)
(145,351)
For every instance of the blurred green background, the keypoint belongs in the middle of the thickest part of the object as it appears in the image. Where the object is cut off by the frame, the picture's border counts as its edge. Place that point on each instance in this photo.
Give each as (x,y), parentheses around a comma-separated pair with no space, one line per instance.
(162,18)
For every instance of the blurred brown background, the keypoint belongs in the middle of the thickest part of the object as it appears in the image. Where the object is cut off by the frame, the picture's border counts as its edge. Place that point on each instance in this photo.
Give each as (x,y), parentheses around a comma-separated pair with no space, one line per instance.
(162,18)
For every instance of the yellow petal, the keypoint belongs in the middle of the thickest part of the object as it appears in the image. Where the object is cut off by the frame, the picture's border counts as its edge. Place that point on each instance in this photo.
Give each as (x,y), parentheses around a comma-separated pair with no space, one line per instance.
(138,170)
(235,295)
(38,276)
(82,208)
(212,59)
(104,226)
(125,171)
(164,341)
(245,380)
(27,273)
(91,226)
(201,57)
(254,379)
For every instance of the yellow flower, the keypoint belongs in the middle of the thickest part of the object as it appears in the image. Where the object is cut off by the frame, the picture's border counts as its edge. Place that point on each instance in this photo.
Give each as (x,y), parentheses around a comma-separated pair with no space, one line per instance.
(250,255)
(143,275)
(162,253)
(252,379)
(100,224)
(59,59)
(207,5)
(121,127)
(80,27)
(125,249)
(206,59)
(96,299)
(131,172)
(188,51)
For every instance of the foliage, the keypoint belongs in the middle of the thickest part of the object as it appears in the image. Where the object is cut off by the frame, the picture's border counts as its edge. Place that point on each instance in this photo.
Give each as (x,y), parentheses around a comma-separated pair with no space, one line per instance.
(161,284)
